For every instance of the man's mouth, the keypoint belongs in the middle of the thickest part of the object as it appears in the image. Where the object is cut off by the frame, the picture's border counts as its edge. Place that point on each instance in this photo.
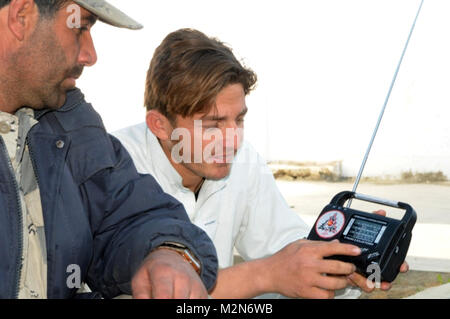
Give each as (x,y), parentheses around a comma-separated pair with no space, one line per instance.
(71,81)
(74,76)
(222,159)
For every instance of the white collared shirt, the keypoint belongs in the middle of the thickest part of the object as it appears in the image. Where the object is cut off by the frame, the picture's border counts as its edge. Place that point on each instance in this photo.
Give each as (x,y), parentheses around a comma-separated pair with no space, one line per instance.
(245,210)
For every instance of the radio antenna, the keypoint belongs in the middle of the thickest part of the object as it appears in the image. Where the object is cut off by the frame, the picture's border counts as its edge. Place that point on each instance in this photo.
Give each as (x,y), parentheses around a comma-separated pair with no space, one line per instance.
(366,156)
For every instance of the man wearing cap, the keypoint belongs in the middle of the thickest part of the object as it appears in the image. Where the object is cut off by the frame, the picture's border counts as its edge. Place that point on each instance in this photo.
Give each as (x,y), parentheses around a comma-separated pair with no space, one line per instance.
(73,208)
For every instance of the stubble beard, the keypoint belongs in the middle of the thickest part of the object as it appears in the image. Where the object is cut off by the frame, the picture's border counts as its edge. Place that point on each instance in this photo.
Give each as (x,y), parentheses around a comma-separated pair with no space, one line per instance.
(41,66)
(209,171)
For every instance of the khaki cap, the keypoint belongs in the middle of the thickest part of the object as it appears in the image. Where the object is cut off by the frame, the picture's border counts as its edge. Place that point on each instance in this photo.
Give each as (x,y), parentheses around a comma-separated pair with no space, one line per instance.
(109,14)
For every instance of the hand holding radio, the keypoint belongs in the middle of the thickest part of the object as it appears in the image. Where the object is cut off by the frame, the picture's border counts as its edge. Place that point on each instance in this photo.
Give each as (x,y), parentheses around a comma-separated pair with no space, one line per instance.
(360,281)
(300,270)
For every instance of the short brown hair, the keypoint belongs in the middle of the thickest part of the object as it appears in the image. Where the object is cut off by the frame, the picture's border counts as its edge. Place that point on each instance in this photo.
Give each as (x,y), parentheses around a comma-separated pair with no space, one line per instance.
(47,8)
(187,72)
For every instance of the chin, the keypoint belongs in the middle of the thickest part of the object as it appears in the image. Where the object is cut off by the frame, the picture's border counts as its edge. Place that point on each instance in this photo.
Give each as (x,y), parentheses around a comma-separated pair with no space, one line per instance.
(58,100)
(61,101)
(219,173)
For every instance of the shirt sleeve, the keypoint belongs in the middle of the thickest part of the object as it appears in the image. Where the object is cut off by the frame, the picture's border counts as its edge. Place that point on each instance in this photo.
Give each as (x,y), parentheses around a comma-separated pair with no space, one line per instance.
(268,224)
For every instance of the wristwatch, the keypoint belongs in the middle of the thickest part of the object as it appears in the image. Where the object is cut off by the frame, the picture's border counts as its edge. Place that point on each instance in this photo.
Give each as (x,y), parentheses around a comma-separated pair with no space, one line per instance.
(184,252)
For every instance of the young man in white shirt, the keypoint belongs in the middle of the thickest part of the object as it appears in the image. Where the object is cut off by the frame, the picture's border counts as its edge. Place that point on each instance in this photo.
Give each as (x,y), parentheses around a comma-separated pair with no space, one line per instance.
(192,143)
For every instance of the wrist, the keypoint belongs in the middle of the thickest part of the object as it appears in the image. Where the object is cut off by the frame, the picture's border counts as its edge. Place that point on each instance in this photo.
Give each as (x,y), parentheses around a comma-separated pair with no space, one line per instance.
(184,252)
(264,271)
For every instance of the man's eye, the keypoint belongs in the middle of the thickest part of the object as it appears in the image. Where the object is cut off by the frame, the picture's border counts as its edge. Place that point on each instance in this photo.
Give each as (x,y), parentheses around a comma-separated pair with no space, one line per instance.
(211,125)
(208,127)
(81,29)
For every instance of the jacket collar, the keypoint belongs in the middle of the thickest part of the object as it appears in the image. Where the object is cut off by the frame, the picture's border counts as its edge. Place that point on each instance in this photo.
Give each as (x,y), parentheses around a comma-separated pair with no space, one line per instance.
(73,98)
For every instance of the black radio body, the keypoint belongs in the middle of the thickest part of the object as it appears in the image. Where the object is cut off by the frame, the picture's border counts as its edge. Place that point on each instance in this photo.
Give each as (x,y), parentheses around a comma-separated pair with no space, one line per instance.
(384,241)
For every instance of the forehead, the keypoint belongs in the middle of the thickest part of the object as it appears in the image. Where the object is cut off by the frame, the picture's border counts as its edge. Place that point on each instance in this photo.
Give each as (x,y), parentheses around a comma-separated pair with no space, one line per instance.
(72,12)
(229,101)
(228,105)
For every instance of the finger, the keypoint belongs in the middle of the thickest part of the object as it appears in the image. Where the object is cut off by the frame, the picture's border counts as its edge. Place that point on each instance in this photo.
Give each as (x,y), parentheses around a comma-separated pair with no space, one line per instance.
(404,267)
(336,267)
(319,293)
(327,249)
(163,288)
(385,286)
(141,286)
(380,212)
(361,282)
(182,288)
(198,291)
(350,282)
(331,282)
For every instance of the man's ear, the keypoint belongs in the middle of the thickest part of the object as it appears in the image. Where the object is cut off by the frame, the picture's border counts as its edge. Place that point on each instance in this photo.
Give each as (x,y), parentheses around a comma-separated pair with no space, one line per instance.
(22,17)
(159,125)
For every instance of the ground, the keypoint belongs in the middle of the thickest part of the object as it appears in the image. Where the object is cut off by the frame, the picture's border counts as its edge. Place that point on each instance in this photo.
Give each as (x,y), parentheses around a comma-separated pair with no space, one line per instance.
(409,284)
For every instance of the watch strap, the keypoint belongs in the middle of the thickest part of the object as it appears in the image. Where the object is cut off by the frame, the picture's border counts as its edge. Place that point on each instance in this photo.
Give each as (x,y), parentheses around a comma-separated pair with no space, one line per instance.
(184,252)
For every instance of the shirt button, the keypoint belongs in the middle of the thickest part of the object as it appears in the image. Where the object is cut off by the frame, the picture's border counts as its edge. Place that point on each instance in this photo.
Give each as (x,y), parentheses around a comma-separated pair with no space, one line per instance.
(59,144)
(5,127)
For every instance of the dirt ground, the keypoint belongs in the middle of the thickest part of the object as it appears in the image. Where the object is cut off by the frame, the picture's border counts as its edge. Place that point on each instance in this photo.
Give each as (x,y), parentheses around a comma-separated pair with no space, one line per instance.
(409,284)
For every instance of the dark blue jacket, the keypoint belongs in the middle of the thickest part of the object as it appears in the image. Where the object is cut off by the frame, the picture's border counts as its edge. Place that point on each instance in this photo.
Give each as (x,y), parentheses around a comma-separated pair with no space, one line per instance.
(99,213)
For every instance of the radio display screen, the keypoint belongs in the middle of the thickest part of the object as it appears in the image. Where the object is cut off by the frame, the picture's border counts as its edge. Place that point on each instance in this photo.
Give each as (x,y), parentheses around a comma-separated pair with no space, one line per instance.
(364,230)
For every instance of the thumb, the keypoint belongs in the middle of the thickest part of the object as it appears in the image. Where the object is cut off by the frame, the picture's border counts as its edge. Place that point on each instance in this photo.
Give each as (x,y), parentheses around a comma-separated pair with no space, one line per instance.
(380,212)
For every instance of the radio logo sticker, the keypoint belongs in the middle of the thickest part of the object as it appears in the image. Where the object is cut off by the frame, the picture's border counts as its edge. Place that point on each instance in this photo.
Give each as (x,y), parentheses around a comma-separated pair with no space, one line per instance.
(330,224)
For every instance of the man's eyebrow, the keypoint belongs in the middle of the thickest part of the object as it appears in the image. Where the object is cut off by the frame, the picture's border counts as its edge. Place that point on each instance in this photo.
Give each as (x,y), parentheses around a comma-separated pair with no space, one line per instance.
(222,118)
(213,118)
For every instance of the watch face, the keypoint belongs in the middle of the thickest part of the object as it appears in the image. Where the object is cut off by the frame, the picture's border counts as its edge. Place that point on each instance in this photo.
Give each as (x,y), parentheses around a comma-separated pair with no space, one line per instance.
(330,224)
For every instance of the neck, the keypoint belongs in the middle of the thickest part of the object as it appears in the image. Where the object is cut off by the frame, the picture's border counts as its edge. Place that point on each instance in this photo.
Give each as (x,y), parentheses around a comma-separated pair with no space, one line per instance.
(6,105)
(190,180)
(9,101)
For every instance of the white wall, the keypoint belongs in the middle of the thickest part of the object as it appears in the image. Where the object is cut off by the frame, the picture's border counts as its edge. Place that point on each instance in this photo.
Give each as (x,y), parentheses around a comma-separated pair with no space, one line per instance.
(324,69)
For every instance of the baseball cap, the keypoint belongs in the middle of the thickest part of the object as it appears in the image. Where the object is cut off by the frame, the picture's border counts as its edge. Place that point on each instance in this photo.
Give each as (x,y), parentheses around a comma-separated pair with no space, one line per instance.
(109,14)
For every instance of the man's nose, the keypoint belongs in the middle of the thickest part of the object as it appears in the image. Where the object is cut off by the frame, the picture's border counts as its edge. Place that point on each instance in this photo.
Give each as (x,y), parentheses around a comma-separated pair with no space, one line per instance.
(88,55)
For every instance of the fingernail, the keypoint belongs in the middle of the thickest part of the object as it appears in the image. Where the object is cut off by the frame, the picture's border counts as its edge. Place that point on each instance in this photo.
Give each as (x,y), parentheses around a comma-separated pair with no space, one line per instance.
(357,250)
